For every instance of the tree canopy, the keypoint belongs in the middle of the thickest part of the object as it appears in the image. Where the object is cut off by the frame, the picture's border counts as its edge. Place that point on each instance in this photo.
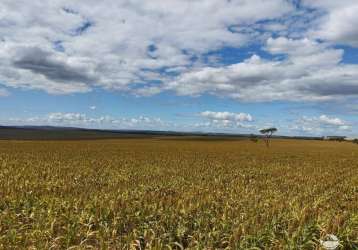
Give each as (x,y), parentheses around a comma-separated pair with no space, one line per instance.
(268,130)
(268,133)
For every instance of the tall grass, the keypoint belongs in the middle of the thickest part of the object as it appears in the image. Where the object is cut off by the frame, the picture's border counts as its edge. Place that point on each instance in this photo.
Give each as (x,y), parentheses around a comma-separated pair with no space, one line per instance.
(175,194)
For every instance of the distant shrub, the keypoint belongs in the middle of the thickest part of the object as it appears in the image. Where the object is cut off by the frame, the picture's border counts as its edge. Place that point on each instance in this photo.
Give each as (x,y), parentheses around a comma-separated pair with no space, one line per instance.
(254,138)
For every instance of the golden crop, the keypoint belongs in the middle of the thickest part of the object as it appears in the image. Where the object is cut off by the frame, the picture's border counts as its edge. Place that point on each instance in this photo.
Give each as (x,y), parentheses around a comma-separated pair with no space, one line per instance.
(177,193)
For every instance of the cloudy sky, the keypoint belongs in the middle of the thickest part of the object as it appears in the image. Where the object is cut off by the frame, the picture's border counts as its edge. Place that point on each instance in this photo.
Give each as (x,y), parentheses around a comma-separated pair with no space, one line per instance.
(186,65)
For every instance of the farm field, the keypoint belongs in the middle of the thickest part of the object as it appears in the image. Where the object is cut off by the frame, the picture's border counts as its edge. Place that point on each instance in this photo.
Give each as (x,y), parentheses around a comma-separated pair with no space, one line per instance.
(170,193)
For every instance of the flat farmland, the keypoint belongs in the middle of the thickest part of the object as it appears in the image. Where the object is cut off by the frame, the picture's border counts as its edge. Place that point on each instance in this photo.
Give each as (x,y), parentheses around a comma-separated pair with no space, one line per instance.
(175,193)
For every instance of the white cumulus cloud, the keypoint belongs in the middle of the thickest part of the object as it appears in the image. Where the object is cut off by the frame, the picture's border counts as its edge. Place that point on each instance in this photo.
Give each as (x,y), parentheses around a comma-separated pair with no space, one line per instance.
(339,21)
(310,71)
(75,46)
(321,125)
(220,120)
(334,121)
(241,117)
(83,120)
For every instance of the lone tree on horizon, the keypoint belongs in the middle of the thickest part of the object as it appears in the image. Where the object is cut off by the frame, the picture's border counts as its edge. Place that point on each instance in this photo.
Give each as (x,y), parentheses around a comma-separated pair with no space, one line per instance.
(268,132)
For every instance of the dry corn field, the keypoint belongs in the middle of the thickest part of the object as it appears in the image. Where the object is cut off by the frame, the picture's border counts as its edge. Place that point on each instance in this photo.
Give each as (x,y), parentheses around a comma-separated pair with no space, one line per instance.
(177,193)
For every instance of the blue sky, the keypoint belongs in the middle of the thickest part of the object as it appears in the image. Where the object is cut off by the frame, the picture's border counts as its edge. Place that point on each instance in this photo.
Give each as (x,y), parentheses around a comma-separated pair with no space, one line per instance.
(220,66)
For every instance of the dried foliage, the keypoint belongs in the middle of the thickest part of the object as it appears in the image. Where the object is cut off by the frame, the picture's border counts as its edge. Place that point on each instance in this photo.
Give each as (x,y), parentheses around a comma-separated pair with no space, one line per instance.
(175,193)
